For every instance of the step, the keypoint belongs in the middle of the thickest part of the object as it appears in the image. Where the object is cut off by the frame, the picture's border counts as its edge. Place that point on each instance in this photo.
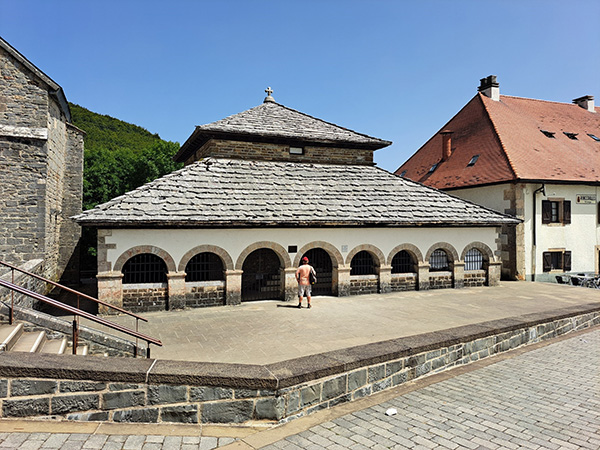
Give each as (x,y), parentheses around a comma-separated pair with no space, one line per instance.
(82,349)
(30,342)
(55,346)
(9,335)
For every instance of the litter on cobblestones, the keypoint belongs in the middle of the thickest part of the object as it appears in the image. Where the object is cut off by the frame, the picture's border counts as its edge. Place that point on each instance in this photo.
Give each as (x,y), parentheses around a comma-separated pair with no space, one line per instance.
(391,412)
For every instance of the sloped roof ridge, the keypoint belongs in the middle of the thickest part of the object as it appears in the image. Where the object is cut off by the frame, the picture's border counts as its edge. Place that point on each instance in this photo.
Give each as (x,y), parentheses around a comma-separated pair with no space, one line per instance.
(431,188)
(497,134)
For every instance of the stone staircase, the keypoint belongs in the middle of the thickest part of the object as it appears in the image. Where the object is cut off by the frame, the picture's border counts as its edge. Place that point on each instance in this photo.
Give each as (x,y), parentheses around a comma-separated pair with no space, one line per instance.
(14,338)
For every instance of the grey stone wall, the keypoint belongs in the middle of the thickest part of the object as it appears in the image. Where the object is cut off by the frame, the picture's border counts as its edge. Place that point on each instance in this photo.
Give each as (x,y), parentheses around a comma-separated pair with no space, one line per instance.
(440,280)
(403,282)
(475,278)
(363,284)
(204,294)
(35,266)
(143,299)
(308,385)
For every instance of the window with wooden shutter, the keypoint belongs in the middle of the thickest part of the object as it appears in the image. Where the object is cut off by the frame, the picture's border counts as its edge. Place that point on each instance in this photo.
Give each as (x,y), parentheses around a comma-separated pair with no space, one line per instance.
(546,211)
(566,211)
(567,262)
(547,261)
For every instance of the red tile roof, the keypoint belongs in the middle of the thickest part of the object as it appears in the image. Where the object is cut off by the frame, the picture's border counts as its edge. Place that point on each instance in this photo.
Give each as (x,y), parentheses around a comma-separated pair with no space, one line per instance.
(507,136)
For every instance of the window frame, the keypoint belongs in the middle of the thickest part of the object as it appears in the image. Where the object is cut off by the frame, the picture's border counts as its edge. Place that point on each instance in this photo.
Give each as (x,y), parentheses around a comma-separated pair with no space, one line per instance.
(207,273)
(134,275)
(557,261)
(556,211)
(435,255)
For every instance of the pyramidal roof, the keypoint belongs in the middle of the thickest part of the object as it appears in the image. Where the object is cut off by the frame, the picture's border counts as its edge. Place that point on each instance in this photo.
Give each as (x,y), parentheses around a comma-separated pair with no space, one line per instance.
(273,121)
(237,192)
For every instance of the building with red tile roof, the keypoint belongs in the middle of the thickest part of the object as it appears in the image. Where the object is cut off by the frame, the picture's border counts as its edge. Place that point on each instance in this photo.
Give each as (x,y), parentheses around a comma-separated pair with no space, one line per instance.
(538,160)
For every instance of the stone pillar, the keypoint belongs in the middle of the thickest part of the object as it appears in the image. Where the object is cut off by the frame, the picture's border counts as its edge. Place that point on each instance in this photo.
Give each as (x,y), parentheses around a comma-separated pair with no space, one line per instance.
(385,279)
(459,275)
(176,290)
(343,277)
(494,273)
(110,290)
(290,284)
(423,276)
(233,287)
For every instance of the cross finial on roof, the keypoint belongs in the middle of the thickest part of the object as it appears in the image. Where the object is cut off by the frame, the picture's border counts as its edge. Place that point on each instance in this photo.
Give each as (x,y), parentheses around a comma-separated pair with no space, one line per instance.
(268,98)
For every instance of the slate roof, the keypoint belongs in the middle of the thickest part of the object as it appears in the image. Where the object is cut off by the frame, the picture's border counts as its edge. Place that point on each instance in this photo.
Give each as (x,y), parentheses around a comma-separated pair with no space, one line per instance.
(270,121)
(232,192)
(507,136)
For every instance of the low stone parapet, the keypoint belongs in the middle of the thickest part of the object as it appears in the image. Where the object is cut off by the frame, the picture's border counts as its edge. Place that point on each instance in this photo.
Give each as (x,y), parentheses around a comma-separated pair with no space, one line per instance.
(151,391)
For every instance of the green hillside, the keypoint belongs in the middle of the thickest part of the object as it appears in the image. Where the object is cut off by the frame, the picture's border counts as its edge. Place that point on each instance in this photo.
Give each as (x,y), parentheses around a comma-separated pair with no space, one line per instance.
(119,156)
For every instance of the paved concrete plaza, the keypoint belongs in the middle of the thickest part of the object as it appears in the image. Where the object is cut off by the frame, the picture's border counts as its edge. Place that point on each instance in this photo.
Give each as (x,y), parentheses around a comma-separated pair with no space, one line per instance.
(546,396)
(272,331)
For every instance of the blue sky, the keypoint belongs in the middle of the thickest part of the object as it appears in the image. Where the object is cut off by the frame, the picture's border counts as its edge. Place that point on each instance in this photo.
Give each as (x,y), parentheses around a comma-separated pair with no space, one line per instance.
(397,70)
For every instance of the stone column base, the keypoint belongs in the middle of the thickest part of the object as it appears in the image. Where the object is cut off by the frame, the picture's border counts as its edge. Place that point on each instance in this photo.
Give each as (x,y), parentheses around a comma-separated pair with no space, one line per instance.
(176,290)
(110,290)
(385,279)
(233,287)
(343,281)
(459,275)
(423,280)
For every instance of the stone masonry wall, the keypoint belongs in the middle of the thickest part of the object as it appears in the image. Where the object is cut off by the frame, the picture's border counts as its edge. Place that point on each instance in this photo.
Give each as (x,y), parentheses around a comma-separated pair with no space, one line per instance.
(119,400)
(403,282)
(440,280)
(200,294)
(279,152)
(143,299)
(475,278)
(35,266)
(364,284)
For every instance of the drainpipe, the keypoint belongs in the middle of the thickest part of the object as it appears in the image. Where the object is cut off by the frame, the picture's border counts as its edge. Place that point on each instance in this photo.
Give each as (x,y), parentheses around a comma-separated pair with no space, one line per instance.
(541,189)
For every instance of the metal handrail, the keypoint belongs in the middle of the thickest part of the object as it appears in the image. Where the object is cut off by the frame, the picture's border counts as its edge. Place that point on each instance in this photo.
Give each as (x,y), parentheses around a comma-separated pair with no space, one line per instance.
(80,313)
(73,291)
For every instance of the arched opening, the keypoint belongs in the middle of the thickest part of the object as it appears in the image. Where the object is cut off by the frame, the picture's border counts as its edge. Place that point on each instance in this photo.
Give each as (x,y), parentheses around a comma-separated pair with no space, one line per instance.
(364,277)
(362,264)
(321,261)
(440,270)
(261,277)
(144,268)
(204,266)
(476,268)
(404,272)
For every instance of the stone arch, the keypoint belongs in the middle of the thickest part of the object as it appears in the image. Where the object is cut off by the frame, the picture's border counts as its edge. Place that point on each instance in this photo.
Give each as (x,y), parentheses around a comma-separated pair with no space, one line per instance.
(281,252)
(378,254)
(409,248)
(448,248)
(139,249)
(336,257)
(222,253)
(483,248)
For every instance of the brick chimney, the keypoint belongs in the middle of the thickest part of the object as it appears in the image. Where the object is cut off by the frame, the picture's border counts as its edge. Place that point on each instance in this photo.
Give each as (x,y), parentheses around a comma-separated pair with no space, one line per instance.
(586,102)
(490,87)
(446,144)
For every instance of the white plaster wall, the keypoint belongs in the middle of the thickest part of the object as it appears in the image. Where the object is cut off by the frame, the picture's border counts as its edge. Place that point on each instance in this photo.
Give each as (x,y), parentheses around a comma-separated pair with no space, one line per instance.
(177,242)
(489,196)
(580,237)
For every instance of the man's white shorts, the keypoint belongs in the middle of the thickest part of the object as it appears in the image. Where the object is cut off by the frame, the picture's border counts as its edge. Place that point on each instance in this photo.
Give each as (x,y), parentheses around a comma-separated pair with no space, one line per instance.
(304,290)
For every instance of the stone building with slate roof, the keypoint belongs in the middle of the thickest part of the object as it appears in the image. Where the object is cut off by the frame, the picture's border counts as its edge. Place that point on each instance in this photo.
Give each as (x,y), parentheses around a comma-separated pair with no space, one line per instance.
(538,160)
(262,188)
(41,169)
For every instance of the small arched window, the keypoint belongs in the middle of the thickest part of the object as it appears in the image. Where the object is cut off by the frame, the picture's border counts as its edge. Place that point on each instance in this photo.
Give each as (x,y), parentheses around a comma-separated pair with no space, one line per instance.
(473,260)
(439,261)
(144,268)
(204,267)
(403,262)
(362,264)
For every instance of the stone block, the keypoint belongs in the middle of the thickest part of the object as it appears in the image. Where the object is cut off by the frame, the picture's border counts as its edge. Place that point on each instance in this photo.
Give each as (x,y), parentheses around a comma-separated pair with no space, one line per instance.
(26,408)
(393,367)
(270,408)
(338,401)
(310,395)
(3,388)
(400,378)
(89,417)
(81,386)
(180,414)
(20,388)
(382,385)
(72,403)
(246,393)
(376,373)
(122,386)
(123,399)
(208,393)
(227,411)
(357,379)
(146,415)
(422,369)
(162,394)
(334,388)
(362,392)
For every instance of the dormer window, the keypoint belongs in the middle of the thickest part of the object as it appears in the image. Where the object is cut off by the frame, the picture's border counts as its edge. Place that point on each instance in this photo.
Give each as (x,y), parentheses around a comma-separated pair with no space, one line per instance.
(433,168)
(594,137)
(549,134)
(572,136)
(296,150)
(473,161)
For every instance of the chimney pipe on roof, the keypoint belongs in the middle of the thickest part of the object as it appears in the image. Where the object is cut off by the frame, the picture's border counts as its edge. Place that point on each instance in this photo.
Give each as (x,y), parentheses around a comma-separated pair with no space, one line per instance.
(446,144)
(586,102)
(490,87)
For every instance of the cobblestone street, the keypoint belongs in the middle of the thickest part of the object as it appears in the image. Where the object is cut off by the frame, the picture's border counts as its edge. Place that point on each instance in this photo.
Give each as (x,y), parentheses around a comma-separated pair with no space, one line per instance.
(547,398)
(544,399)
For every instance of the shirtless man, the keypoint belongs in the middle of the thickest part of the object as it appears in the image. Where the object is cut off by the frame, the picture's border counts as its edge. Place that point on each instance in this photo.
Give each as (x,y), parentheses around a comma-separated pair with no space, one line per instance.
(303,279)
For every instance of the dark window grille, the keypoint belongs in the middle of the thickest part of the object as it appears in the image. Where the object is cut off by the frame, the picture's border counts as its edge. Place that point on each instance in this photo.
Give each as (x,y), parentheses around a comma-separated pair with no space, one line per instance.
(402,262)
(438,261)
(473,260)
(144,268)
(204,267)
(362,264)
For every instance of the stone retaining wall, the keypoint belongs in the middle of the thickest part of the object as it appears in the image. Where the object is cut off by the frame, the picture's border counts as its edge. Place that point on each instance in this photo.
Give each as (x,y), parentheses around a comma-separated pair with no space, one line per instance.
(403,282)
(207,293)
(35,266)
(140,298)
(364,284)
(141,390)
